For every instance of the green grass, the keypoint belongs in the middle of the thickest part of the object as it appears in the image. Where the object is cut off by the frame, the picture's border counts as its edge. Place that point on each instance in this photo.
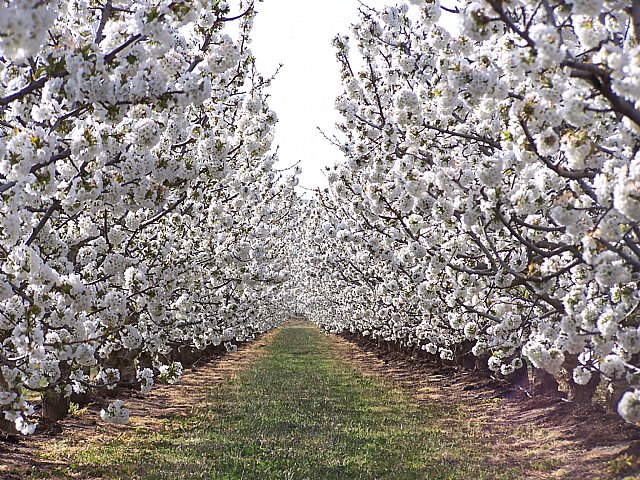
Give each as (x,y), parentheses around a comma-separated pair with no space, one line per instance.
(299,412)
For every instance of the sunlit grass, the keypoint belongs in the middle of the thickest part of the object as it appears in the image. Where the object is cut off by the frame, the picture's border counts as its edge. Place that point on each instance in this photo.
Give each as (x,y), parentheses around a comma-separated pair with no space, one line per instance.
(297,413)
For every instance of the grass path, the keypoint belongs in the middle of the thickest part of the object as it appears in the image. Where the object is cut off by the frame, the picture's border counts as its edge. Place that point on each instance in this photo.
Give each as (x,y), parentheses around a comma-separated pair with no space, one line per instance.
(299,412)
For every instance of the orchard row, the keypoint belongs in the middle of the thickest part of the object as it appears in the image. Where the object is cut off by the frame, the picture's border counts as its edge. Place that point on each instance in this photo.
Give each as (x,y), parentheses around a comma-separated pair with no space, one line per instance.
(487,212)
(141,219)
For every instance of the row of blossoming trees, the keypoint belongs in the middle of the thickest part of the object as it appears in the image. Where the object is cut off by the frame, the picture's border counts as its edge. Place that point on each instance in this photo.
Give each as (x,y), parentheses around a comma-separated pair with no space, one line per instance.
(140,217)
(488,211)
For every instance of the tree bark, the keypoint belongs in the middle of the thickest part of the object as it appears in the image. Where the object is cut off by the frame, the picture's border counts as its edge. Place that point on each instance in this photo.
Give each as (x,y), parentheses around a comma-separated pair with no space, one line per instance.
(545,384)
(582,394)
(6,426)
(187,356)
(55,405)
(519,378)
(482,362)
(615,391)
(464,357)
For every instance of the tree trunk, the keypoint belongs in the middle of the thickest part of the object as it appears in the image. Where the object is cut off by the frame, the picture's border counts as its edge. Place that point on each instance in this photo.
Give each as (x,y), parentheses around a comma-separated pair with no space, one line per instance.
(617,388)
(465,357)
(545,384)
(55,405)
(415,351)
(125,362)
(615,391)
(482,362)
(582,394)
(6,426)
(188,356)
(519,378)
(84,398)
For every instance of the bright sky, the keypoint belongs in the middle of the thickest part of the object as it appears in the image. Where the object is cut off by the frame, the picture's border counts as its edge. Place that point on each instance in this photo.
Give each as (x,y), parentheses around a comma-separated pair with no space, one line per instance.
(298,33)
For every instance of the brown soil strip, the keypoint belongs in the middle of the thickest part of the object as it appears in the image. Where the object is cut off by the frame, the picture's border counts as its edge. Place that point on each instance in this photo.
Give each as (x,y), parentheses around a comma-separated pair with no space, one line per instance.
(557,439)
(148,412)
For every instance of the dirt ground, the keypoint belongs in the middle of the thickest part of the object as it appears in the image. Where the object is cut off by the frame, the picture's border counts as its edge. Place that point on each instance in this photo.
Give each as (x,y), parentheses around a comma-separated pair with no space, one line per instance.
(562,442)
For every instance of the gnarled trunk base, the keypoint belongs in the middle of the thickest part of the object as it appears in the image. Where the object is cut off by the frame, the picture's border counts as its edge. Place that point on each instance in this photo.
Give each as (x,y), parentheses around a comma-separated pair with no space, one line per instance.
(55,406)
(544,384)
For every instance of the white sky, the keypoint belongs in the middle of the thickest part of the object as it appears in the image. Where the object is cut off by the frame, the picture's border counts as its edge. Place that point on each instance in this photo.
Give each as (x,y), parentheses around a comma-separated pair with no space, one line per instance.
(298,33)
